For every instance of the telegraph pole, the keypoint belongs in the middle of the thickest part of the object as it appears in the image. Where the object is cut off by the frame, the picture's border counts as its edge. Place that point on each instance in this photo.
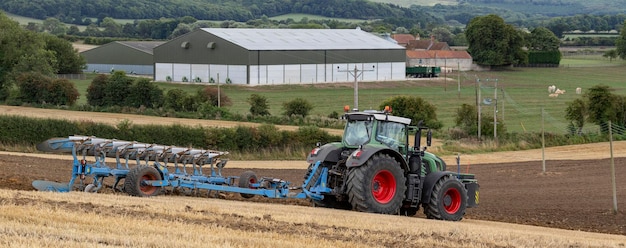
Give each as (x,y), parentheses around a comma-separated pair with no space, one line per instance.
(356,73)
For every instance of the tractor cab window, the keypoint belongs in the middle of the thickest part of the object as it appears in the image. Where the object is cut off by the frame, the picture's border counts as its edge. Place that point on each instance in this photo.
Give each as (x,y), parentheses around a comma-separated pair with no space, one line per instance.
(391,134)
(358,132)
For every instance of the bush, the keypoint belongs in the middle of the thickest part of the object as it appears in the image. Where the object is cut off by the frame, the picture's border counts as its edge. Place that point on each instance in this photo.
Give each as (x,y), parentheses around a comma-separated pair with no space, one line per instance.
(297,106)
(37,88)
(209,94)
(258,105)
(144,93)
(96,90)
(414,108)
(179,100)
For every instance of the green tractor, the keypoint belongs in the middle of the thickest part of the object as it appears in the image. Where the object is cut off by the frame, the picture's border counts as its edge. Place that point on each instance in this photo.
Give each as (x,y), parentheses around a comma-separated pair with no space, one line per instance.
(374,169)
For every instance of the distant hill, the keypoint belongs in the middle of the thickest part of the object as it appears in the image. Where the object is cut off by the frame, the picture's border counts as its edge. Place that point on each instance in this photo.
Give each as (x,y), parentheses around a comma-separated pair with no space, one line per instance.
(549,8)
(238,10)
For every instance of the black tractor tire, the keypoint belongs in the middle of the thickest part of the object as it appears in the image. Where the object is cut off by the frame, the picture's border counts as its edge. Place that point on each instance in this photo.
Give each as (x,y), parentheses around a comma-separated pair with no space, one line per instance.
(133,184)
(246,179)
(378,186)
(448,200)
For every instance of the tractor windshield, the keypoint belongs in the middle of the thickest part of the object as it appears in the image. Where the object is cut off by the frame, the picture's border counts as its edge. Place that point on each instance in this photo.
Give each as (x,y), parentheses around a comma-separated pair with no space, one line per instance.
(357,132)
(392,134)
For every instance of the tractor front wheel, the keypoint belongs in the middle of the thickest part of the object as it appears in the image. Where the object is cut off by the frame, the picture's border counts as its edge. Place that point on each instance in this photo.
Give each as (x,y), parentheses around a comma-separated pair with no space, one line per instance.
(134,183)
(448,200)
(378,186)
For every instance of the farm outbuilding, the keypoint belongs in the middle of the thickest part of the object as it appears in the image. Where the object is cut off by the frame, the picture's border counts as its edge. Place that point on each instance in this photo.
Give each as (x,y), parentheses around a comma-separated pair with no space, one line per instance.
(133,57)
(278,56)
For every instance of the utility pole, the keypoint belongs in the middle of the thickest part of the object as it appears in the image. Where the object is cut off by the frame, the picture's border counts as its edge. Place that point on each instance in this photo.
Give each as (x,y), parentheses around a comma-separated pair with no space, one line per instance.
(479,104)
(218,90)
(356,73)
(495,111)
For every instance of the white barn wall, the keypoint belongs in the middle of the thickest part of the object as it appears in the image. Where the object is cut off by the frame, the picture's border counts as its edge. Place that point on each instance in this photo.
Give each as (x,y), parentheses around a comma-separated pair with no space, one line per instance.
(281,74)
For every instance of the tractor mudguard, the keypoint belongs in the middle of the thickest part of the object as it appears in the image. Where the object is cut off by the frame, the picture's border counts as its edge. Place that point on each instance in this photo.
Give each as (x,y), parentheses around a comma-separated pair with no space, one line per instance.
(357,159)
(429,183)
(330,152)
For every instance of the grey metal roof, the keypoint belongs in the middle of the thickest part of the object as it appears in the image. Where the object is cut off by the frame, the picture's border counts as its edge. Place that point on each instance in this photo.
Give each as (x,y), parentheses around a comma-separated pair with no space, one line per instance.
(302,39)
(144,46)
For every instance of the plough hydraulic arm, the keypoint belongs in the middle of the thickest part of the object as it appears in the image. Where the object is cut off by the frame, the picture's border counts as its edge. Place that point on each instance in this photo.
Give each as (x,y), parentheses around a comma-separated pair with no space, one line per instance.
(146,169)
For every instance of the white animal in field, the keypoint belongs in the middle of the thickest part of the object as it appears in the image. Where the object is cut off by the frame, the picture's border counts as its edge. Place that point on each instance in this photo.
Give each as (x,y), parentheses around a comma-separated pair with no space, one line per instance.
(559,91)
(551,89)
(553,95)
(579,91)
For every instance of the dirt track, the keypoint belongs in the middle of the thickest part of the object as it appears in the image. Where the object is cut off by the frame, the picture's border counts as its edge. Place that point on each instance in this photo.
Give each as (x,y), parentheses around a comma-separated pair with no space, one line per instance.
(574,194)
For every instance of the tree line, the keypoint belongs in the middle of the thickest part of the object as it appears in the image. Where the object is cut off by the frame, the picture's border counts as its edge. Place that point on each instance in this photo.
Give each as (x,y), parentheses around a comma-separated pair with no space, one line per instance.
(238,10)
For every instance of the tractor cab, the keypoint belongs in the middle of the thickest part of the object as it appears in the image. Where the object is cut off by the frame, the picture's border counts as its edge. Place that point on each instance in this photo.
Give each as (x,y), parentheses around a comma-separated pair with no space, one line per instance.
(376,128)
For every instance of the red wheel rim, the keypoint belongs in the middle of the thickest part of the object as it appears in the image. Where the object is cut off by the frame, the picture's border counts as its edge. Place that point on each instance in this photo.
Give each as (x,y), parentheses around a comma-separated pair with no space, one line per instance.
(383,186)
(145,188)
(251,181)
(452,201)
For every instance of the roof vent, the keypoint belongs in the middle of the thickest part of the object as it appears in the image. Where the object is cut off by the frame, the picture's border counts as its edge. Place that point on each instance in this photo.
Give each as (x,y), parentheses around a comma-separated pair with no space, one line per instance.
(210,45)
(184,45)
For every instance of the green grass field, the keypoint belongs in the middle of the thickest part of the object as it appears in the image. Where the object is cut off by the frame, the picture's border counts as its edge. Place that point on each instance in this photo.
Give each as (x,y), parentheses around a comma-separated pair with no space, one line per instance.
(522,92)
(298,17)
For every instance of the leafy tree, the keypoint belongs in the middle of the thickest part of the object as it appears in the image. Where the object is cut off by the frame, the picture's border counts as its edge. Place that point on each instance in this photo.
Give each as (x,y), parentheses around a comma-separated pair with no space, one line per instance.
(414,108)
(542,39)
(96,90)
(37,88)
(610,54)
(144,93)
(599,103)
(258,105)
(297,106)
(443,34)
(179,100)
(576,112)
(31,86)
(493,42)
(467,118)
(117,89)
(621,42)
(61,92)
(67,59)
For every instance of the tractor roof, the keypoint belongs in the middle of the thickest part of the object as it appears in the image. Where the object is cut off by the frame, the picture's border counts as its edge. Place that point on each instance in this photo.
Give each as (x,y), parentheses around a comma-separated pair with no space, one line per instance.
(381,116)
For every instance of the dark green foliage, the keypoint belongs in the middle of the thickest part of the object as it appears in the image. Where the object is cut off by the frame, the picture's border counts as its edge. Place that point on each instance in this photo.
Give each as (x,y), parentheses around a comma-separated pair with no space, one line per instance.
(542,39)
(68,60)
(117,89)
(258,105)
(96,90)
(576,113)
(179,100)
(297,107)
(31,131)
(39,89)
(414,108)
(208,111)
(493,42)
(544,57)
(62,92)
(467,120)
(144,93)
(621,42)
(599,103)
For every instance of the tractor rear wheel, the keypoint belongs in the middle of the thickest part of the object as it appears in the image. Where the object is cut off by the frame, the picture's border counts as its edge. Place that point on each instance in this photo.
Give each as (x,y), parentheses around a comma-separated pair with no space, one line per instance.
(134,183)
(378,186)
(246,179)
(448,200)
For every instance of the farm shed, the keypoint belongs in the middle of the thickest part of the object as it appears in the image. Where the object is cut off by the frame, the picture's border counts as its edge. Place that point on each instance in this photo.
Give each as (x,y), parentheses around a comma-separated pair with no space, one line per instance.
(133,57)
(450,60)
(278,56)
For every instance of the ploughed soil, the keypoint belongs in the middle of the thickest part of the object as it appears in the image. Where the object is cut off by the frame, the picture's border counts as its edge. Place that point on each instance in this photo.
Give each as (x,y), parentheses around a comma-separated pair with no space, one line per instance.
(572,194)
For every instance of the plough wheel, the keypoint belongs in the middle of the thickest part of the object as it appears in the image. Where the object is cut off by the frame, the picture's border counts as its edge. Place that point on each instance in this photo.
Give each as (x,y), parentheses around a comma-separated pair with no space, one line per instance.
(246,180)
(134,185)
(90,188)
